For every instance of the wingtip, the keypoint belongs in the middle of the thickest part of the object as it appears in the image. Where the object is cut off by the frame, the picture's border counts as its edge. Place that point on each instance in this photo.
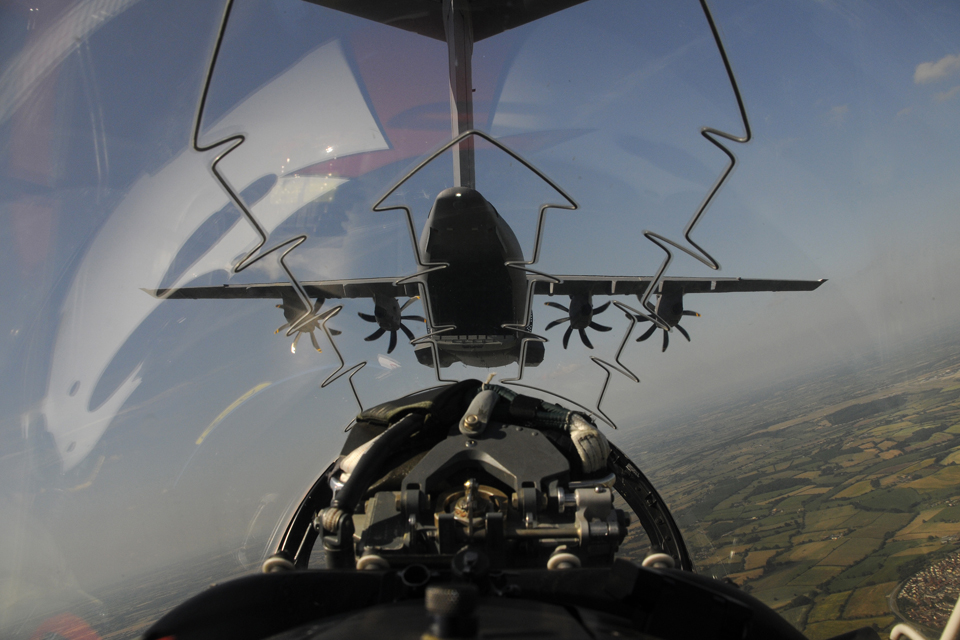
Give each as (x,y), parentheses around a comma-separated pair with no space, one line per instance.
(161,294)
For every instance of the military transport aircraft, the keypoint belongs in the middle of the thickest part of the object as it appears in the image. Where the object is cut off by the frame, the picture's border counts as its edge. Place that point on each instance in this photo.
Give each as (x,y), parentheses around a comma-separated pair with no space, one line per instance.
(477,291)
(474,280)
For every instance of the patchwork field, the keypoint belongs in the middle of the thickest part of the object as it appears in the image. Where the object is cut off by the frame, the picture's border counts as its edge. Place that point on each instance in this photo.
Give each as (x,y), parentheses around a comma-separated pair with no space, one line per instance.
(823,501)
(869,601)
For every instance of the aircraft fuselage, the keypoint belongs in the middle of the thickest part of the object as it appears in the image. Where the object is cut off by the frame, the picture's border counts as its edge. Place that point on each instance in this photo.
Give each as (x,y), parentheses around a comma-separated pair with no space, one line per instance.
(476,293)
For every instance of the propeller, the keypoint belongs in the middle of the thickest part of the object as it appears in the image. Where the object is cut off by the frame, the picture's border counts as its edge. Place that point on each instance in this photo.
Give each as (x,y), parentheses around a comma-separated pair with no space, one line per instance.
(580,316)
(670,310)
(293,311)
(387,314)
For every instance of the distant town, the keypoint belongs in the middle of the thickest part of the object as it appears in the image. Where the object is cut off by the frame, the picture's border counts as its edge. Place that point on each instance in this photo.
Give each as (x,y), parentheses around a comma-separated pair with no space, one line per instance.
(928,597)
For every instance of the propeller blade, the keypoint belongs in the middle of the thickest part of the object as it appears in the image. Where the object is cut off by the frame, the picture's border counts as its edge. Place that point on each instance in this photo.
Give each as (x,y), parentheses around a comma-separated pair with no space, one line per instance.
(691,313)
(376,334)
(367,317)
(393,342)
(281,328)
(409,302)
(406,331)
(556,322)
(417,318)
(585,339)
(684,332)
(647,333)
(566,336)
(293,347)
(316,345)
(557,306)
(601,308)
(599,327)
(666,341)
(335,332)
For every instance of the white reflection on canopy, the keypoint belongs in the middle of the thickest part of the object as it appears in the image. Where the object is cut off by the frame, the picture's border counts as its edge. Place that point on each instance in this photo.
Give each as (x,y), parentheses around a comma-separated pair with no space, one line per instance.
(313,105)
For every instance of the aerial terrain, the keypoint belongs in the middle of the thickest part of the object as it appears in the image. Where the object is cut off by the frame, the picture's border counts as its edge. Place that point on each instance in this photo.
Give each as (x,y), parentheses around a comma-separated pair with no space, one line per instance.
(834,499)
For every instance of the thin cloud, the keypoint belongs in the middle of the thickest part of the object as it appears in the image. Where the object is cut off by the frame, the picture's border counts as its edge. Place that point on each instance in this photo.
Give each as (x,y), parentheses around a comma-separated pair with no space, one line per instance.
(933,71)
(839,113)
(943,96)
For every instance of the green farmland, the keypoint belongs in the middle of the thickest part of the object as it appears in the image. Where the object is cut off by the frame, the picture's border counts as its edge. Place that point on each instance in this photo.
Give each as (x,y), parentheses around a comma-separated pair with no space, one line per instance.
(833,498)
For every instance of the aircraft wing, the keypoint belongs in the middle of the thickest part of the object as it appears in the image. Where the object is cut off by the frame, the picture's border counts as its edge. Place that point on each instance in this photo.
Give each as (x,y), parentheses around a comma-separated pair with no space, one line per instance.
(326,289)
(636,285)
(568,286)
(425,17)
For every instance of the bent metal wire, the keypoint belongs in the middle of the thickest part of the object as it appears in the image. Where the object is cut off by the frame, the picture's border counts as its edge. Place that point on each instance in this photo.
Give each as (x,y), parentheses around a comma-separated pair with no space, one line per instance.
(570,205)
(312,314)
(715,137)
